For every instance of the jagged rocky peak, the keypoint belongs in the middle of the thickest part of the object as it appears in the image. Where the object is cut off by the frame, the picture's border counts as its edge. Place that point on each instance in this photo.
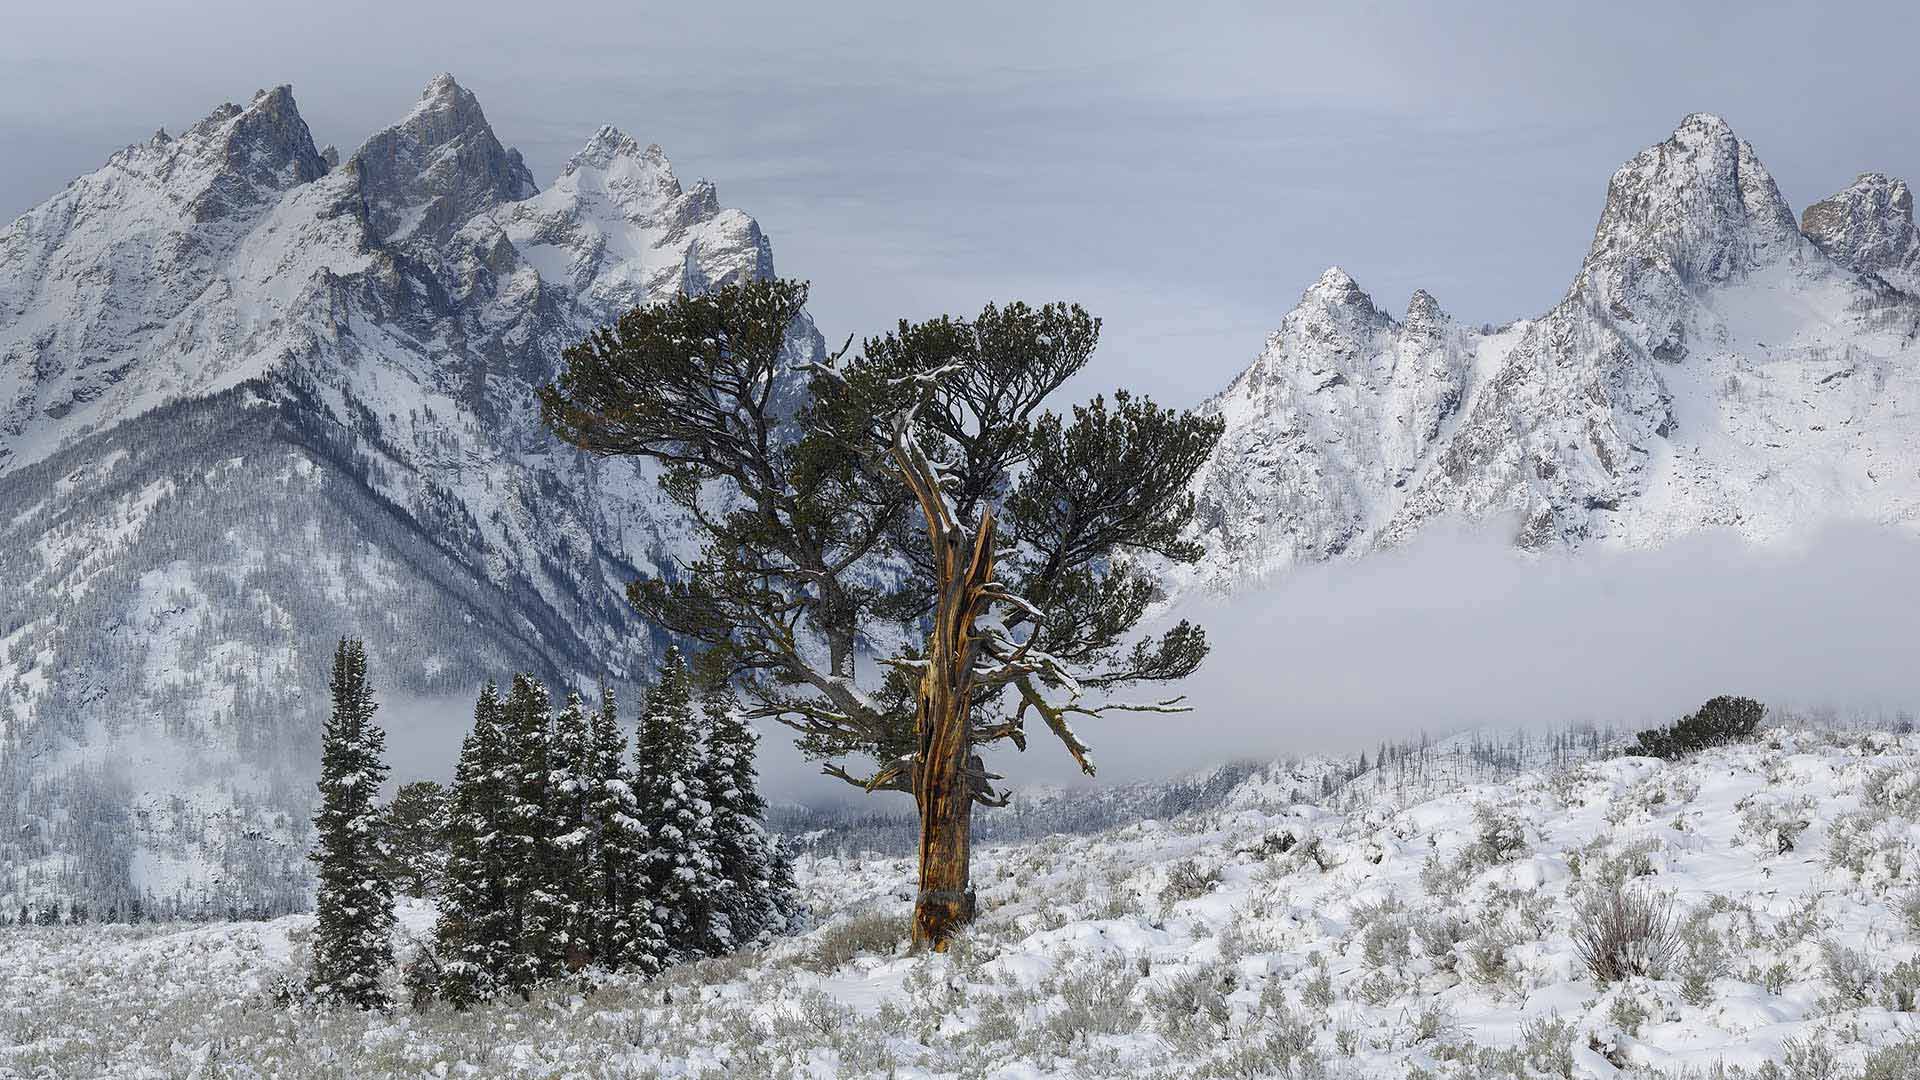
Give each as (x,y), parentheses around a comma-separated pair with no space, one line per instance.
(1335,312)
(635,176)
(618,227)
(1336,288)
(236,158)
(610,144)
(433,171)
(1702,372)
(1869,228)
(640,179)
(270,133)
(1700,204)
(1424,315)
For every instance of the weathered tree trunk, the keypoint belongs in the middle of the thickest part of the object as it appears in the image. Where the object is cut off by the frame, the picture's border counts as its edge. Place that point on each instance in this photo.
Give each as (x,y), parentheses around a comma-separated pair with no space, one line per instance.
(943,783)
(945,902)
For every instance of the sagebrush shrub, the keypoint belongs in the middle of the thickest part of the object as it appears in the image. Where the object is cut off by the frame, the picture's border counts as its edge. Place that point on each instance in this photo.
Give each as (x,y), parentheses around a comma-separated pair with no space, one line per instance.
(1775,826)
(1434,1021)
(1900,1061)
(1384,944)
(1623,932)
(1487,948)
(1318,991)
(1706,958)
(1438,938)
(1547,1045)
(1910,909)
(1811,1058)
(1901,987)
(1849,971)
(874,932)
(1188,1007)
(1500,837)
(1186,880)
(1896,790)
(1095,997)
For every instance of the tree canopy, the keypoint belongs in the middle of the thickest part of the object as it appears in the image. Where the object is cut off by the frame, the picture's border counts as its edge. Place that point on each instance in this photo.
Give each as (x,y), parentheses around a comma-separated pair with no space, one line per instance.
(823,513)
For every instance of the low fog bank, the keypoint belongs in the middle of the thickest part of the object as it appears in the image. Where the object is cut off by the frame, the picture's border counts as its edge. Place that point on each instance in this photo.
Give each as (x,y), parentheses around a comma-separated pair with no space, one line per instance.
(1456,630)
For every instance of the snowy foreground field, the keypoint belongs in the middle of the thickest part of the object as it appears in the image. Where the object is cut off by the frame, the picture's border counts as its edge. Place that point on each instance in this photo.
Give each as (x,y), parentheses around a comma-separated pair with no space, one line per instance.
(1416,935)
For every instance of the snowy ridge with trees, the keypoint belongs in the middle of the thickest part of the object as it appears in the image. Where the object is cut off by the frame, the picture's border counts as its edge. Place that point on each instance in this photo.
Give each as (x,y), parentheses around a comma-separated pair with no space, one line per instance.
(1464,935)
(254,397)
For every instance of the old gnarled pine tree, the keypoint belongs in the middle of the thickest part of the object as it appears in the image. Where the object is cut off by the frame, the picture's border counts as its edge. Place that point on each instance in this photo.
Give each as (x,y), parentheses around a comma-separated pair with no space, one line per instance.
(915,493)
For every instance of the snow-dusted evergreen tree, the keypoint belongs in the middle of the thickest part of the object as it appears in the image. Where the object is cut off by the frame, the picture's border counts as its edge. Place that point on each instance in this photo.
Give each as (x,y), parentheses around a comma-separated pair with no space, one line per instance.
(756,882)
(352,942)
(528,828)
(473,939)
(680,870)
(627,932)
(785,913)
(571,793)
(413,825)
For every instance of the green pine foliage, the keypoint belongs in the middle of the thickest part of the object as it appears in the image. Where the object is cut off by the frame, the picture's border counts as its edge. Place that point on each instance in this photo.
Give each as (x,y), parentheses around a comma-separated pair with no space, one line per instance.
(680,869)
(353,942)
(627,931)
(414,828)
(784,912)
(1721,720)
(756,883)
(561,853)
(571,794)
(527,823)
(473,939)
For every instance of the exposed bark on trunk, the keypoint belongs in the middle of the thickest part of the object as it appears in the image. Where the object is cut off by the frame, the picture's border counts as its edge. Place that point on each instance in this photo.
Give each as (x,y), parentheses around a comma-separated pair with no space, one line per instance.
(945,901)
(943,782)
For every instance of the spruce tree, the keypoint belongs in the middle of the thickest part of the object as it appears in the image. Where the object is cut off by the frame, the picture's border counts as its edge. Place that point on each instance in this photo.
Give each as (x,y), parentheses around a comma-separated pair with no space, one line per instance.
(627,933)
(353,942)
(571,786)
(784,911)
(527,826)
(473,938)
(414,828)
(753,903)
(679,869)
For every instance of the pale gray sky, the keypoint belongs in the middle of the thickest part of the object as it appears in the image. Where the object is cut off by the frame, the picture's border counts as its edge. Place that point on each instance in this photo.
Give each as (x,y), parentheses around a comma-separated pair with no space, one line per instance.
(1185,170)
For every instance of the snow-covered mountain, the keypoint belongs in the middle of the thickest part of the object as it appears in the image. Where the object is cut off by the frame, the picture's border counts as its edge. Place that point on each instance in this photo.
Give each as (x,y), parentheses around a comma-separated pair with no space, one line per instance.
(1713,364)
(252,400)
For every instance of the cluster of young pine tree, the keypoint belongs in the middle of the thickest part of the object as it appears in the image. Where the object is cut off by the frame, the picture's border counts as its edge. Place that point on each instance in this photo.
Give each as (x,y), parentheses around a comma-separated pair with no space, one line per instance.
(552,851)
(562,852)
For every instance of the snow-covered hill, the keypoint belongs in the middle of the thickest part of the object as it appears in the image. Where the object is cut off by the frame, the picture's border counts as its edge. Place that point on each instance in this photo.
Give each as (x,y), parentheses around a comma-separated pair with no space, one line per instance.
(251,400)
(1712,365)
(1412,935)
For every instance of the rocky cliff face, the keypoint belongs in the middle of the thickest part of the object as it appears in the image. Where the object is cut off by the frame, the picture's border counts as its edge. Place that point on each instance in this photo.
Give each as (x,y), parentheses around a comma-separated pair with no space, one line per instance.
(251,401)
(1869,228)
(1711,365)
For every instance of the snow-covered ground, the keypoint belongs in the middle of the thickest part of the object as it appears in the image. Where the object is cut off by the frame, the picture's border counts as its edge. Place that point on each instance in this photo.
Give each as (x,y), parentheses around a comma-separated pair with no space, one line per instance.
(1426,932)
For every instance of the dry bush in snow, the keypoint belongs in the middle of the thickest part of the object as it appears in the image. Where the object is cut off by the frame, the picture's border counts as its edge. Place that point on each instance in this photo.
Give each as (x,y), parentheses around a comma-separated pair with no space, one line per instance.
(1622,932)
